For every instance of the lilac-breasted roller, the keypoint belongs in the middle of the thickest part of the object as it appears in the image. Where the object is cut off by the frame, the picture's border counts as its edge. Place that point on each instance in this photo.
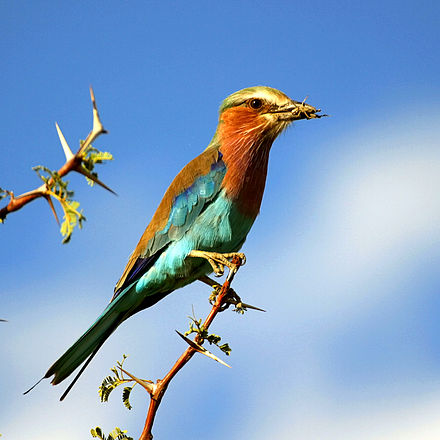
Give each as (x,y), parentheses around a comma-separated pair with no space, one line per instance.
(203,218)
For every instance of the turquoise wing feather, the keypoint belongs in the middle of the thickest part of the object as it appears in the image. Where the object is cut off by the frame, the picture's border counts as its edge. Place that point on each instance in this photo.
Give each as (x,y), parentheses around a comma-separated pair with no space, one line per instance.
(185,208)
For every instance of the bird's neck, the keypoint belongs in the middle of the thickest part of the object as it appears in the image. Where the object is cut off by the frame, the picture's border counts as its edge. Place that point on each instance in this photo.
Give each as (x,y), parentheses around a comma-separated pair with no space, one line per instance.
(245,146)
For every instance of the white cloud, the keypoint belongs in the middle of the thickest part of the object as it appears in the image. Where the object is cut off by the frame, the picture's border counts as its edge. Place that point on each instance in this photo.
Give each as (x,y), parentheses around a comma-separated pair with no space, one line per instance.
(372,212)
(408,420)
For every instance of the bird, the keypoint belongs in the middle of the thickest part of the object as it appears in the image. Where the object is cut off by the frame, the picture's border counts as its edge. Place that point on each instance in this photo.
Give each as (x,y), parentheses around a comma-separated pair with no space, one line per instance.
(203,219)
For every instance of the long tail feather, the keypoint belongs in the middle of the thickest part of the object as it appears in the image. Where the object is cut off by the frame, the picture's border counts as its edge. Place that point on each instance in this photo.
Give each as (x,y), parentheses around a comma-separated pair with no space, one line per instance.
(87,362)
(86,347)
(88,343)
(33,386)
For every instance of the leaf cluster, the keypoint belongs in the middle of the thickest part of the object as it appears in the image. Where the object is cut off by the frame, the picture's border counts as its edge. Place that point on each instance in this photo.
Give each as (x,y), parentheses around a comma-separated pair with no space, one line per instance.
(231,298)
(116,434)
(196,326)
(111,382)
(4,193)
(240,308)
(90,157)
(57,188)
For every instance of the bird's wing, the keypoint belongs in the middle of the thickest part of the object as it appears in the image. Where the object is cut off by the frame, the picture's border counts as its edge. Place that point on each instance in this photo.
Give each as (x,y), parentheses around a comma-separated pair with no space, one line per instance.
(189,193)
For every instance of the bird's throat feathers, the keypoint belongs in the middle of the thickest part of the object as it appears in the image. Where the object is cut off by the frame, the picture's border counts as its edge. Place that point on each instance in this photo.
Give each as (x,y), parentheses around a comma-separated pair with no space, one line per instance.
(245,140)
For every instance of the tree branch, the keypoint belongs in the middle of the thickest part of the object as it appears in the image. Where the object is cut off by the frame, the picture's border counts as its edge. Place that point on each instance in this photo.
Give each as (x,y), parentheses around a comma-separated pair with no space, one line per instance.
(158,389)
(221,298)
(74,162)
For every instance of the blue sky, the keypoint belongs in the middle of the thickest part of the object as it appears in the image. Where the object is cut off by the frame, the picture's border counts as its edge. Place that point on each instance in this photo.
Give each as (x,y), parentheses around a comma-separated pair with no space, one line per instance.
(344,256)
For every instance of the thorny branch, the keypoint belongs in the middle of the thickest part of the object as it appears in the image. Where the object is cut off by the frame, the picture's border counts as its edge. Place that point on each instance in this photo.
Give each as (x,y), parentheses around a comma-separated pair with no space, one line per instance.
(81,162)
(158,389)
(222,297)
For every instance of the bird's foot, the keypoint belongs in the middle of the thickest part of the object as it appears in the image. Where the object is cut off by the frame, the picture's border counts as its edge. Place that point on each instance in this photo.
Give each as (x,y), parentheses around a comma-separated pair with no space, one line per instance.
(218,261)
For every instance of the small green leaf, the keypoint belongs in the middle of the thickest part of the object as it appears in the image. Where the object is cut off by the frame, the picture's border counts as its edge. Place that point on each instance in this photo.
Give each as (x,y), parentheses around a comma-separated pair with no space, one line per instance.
(72,217)
(109,383)
(126,397)
(225,349)
(107,386)
(90,158)
(196,326)
(97,433)
(116,434)
(213,339)
(4,193)
(58,188)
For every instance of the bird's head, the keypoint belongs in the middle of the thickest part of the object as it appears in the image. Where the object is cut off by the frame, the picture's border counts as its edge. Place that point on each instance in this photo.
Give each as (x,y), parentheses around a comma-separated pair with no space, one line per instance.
(261,111)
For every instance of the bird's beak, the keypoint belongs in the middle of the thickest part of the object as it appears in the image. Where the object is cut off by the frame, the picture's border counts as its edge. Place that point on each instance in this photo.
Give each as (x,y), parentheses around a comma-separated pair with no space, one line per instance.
(295,110)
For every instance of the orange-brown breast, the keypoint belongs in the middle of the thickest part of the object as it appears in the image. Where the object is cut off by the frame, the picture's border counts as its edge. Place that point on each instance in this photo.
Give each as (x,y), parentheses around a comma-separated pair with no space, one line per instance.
(245,141)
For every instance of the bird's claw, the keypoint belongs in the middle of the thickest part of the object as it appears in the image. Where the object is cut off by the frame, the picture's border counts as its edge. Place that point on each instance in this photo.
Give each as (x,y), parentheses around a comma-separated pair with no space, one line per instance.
(218,261)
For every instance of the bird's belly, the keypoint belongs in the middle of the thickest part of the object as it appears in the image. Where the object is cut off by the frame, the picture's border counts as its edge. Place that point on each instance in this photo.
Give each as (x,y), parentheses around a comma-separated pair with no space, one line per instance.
(219,228)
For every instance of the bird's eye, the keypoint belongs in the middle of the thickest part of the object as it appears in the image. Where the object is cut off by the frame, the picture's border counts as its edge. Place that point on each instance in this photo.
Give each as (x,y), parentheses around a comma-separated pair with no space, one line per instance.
(255,103)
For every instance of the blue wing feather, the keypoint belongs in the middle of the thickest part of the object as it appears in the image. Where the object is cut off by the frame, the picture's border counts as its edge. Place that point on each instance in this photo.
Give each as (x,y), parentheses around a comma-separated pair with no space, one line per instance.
(188,205)
(185,208)
(139,268)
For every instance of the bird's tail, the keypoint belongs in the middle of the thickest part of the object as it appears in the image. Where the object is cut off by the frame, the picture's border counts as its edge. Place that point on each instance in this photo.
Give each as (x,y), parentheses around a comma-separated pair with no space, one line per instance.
(119,309)
(86,346)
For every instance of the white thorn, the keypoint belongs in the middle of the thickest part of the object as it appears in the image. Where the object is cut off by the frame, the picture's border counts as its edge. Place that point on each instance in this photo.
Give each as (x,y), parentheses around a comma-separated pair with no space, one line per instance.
(97,125)
(199,348)
(97,128)
(67,151)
